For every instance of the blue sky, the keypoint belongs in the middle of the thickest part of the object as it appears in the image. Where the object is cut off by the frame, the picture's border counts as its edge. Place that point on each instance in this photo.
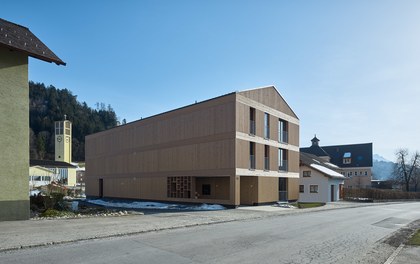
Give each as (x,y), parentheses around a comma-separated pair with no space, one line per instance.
(349,69)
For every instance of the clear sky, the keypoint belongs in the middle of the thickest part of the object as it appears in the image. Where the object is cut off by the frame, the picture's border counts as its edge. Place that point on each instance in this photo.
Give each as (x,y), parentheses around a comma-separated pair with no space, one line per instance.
(349,69)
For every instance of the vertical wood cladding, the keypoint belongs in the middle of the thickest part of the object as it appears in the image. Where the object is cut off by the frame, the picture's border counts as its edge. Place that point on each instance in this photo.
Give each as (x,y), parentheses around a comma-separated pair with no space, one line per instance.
(193,153)
(271,98)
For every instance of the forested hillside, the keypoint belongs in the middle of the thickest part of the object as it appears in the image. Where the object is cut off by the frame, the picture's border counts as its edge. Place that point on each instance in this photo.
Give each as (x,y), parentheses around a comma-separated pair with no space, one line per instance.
(49,104)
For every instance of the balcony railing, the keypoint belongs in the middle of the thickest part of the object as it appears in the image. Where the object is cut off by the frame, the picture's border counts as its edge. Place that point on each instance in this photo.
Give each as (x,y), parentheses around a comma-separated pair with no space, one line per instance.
(252,127)
(266,163)
(283,165)
(252,162)
(266,131)
(283,136)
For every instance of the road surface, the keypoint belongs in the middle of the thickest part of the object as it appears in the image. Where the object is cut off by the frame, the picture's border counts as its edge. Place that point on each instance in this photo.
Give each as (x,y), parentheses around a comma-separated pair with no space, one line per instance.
(350,235)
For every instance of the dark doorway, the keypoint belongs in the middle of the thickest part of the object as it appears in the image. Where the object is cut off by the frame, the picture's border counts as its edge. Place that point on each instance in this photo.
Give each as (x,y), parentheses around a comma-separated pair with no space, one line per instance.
(282,189)
(332,193)
(101,188)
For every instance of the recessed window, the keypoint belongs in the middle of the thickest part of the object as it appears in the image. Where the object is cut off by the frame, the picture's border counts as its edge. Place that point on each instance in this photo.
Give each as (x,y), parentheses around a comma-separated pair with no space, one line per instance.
(206,189)
(266,126)
(306,173)
(283,131)
(350,173)
(313,188)
(252,121)
(355,173)
(301,188)
(366,173)
(266,157)
(282,159)
(252,155)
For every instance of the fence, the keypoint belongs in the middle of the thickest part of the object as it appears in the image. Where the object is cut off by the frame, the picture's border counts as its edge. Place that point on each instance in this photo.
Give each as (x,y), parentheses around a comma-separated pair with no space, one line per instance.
(375,194)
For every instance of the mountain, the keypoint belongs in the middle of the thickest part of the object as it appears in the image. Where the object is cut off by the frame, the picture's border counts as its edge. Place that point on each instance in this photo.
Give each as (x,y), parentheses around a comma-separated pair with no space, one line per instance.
(382,168)
(377,157)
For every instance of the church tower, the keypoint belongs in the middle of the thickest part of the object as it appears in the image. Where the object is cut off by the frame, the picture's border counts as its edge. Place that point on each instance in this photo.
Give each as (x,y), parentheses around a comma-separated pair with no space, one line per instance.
(63,140)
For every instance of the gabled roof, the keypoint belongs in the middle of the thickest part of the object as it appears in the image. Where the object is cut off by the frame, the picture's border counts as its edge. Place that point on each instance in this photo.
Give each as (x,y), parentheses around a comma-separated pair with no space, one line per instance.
(269,95)
(19,38)
(320,165)
(50,164)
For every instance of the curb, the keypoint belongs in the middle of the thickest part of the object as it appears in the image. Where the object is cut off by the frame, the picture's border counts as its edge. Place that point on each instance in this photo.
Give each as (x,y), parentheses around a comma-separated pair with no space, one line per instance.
(394,255)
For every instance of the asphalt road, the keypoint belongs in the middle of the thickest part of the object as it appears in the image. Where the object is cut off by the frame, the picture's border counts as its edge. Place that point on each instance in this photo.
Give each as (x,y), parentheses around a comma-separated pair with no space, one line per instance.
(350,235)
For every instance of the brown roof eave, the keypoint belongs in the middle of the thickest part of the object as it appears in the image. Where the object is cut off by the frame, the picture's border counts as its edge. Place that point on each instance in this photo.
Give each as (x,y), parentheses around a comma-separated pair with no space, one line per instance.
(33,55)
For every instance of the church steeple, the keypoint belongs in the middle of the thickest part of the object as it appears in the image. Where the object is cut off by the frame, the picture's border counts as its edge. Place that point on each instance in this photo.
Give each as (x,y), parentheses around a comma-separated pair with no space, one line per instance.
(315,141)
(63,140)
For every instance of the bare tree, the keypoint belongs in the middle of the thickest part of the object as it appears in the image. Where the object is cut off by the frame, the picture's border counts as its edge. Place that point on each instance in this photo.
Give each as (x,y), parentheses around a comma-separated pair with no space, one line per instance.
(405,169)
(415,179)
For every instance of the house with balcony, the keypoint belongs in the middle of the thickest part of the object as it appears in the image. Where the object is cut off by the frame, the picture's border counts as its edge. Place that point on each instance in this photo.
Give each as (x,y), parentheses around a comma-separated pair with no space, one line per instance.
(17,43)
(238,148)
(355,161)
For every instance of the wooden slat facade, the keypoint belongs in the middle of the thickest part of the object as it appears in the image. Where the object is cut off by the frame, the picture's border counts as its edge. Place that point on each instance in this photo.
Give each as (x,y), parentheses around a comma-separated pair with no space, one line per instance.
(207,141)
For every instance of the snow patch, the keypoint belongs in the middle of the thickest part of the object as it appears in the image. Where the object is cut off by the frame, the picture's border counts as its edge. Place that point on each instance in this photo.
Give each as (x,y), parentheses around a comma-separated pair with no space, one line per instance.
(155,205)
(327,171)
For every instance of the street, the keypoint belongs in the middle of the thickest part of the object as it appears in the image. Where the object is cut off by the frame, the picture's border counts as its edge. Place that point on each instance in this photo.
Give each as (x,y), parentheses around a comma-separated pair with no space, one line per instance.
(349,235)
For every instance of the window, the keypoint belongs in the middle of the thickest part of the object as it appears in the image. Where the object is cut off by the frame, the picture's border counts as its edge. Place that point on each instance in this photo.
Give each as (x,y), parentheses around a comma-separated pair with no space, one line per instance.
(350,173)
(347,158)
(266,126)
(206,189)
(252,155)
(306,173)
(252,121)
(283,131)
(266,157)
(282,162)
(59,128)
(366,173)
(301,188)
(313,188)
(355,173)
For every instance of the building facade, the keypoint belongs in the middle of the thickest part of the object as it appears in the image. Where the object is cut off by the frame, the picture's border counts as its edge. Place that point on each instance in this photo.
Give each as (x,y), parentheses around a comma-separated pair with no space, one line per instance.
(240,148)
(319,180)
(355,161)
(16,44)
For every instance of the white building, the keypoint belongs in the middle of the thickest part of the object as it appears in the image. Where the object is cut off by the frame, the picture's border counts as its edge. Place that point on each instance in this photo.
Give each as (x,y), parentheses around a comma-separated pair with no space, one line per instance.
(319,181)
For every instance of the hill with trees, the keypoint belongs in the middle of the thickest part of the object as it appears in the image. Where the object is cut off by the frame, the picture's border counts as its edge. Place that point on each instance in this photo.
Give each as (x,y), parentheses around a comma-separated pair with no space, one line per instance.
(49,104)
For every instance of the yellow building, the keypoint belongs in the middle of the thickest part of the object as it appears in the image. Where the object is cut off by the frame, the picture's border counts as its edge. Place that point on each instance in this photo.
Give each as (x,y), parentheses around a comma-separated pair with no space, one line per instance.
(63,135)
(16,44)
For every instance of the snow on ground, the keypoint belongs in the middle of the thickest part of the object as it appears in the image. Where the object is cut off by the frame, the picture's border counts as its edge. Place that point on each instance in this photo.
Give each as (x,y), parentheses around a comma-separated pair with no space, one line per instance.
(154,205)
(34,192)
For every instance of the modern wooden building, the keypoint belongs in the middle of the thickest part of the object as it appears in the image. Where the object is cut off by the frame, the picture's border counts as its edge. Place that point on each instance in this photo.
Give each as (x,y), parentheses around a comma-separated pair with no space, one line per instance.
(239,148)
(16,44)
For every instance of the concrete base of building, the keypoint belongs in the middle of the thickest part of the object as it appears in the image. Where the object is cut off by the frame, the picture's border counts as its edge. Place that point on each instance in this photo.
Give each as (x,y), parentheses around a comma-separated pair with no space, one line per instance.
(14,210)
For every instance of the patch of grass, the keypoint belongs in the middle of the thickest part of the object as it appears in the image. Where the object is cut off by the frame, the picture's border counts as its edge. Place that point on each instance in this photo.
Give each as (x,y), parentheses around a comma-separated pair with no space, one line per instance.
(56,213)
(415,239)
(307,205)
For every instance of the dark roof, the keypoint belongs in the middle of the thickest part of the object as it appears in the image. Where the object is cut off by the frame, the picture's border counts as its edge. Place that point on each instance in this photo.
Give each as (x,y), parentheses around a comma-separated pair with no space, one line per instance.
(315,150)
(361,154)
(50,164)
(19,38)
